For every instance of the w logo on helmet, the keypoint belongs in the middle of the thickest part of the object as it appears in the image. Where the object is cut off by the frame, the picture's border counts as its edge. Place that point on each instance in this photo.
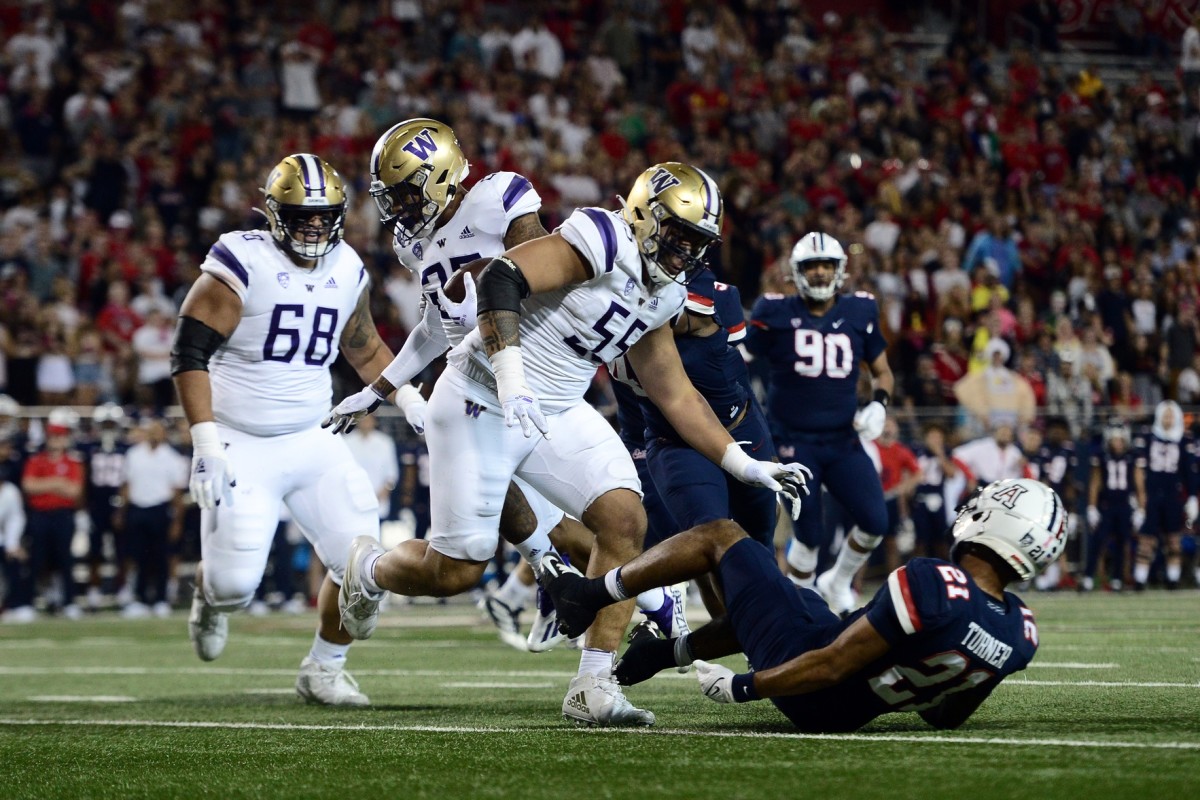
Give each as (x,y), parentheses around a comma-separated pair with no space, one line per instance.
(662,180)
(421,145)
(1009,495)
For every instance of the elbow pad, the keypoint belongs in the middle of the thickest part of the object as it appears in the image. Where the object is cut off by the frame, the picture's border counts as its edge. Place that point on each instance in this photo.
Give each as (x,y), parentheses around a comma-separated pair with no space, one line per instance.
(194,345)
(502,286)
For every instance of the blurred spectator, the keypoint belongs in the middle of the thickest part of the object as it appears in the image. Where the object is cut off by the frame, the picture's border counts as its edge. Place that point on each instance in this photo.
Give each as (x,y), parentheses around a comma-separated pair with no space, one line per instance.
(996,395)
(375,452)
(994,457)
(1069,394)
(1180,342)
(1189,60)
(300,93)
(18,597)
(151,346)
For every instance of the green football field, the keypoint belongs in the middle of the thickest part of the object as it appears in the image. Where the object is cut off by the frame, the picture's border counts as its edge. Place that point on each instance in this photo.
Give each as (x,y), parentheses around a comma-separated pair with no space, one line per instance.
(113,708)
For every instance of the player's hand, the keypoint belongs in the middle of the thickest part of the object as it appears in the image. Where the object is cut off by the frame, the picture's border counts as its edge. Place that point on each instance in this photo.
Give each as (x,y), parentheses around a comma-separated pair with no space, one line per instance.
(1191,510)
(523,407)
(715,681)
(1093,517)
(346,414)
(212,477)
(409,400)
(463,314)
(1139,519)
(869,420)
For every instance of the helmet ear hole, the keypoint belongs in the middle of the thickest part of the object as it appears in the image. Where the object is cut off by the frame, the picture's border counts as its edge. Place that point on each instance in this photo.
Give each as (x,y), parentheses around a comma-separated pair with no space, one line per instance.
(442,178)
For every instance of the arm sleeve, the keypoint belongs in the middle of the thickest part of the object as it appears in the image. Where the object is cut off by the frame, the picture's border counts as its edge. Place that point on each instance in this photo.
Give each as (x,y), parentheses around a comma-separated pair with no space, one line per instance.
(425,342)
(757,338)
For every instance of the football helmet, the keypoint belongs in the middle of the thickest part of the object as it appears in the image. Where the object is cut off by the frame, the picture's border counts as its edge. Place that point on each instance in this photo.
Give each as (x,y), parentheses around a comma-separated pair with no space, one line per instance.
(675,211)
(1168,421)
(108,413)
(815,247)
(417,168)
(300,190)
(1115,430)
(1021,520)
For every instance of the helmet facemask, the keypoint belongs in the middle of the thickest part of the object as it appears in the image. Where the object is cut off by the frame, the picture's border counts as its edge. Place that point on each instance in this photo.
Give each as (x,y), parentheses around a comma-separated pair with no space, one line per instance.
(407,205)
(674,250)
(824,291)
(308,231)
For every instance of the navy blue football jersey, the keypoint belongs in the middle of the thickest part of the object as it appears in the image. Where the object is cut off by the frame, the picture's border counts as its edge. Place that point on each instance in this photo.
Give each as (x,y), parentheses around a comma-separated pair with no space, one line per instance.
(814,360)
(631,420)
(104,468)
(1054,465)
(1169,466)
(1116,477)
(946,635)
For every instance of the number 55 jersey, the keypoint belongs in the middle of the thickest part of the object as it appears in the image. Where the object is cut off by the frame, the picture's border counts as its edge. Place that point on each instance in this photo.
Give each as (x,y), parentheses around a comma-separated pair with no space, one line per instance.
(271,376)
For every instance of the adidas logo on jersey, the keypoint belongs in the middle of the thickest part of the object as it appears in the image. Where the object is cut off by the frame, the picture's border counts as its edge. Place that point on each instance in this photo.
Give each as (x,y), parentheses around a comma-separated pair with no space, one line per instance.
(579,703)
(466,233)
(331,283)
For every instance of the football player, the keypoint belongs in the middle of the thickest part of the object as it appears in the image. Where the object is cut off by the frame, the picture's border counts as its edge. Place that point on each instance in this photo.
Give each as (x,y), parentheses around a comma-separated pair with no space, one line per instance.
(104,459)
(417,174)
(938,493)
(937,638)
(603,285)
(814,344)
(1111,511)
(1053,461)
(256,335)
(1164,474)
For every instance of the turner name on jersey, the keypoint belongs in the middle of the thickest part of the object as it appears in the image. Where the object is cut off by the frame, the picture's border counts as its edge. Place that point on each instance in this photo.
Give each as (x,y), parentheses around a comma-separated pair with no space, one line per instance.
(272,375)
(567,333)
(475,231)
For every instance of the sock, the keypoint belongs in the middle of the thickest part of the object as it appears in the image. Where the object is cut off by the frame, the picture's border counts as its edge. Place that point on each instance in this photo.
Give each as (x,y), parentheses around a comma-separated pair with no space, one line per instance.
(652,599)
(682,651)
(515,594)
(595,662)
(533,548)
(324,652)
(802,583)
(1141,573)
(368,573)
(1174,571)
(849,560)
(612,583)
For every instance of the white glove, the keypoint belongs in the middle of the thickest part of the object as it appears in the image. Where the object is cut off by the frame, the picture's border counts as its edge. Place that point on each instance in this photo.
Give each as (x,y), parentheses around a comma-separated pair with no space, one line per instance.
(715,681)
(409,400)
(1093,517)
(1191,510)
(212,478)
(346,414)
(464,313)
(869,420)
(1072,524)
(788,480)
(1139,518)
(520,403)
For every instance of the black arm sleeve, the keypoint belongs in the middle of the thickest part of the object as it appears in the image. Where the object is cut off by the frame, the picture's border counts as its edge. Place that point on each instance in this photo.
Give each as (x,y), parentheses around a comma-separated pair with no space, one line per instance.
(194,345)
(502,287)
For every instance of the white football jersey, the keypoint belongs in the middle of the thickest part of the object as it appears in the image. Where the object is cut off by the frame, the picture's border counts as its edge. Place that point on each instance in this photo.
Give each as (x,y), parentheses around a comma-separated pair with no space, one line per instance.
(272,375)
(567,333)
(475,231)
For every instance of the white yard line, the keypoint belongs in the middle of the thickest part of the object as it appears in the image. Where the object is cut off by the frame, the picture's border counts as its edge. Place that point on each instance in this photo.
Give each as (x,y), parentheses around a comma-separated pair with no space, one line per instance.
(495,685)
(865,738)
(81,698)
(1070,665)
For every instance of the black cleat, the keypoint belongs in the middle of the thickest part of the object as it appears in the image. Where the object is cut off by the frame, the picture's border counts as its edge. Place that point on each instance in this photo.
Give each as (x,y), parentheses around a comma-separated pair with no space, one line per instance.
(565,585)
(647,655)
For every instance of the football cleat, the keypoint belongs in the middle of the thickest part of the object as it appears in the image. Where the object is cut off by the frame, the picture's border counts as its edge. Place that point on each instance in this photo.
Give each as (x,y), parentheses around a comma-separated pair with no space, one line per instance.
(596,700)
(506,620)
(545,633)
(840,598)
(359,608)
(564,582)
(671,619)
(328,685)
(207,628)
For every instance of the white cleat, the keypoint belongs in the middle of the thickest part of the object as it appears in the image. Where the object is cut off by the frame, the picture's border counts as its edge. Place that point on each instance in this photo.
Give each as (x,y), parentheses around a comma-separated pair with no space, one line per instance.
(22,615)
(359,608)
(598,701)
(506,619)
(841,598)
(207,628)
(328,685)
(544,635)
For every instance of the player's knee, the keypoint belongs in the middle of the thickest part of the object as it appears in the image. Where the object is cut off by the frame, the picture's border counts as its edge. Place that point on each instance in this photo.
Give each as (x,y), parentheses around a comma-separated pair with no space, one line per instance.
(619,521)
(517,520)
(719,535)
(230,590)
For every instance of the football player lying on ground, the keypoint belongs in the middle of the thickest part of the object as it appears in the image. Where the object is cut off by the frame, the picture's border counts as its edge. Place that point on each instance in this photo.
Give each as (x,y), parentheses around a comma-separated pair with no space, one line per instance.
(937,638)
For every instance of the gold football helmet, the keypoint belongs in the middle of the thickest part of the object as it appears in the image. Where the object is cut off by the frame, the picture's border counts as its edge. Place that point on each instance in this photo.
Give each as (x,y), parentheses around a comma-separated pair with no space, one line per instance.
(417,168)
(675,211)
(306,205)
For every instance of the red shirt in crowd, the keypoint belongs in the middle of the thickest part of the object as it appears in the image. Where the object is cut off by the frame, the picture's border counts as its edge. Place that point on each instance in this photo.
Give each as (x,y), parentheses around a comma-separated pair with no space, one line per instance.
(47,465)
(895,460)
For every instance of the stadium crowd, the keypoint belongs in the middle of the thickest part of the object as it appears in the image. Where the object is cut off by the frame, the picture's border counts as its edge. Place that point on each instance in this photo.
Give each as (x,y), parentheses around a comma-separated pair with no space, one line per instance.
(1031,236)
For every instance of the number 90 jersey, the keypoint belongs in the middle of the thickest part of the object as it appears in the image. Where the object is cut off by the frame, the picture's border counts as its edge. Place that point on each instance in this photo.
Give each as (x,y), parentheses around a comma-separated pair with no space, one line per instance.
(814,361)
(271,376)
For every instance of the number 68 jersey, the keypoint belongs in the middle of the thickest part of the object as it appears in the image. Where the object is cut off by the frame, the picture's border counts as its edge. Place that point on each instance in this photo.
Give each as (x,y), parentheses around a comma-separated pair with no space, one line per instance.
(814,360)
(271,376)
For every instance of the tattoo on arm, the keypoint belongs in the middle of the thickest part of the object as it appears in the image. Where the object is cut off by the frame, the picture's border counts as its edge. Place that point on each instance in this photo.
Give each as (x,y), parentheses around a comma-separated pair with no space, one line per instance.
(500,329)
(523,228)
(360,339)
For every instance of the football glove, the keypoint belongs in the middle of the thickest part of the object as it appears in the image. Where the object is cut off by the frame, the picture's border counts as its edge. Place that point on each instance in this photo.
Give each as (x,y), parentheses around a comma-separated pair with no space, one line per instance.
(1191,510)
(869,420)
(463,314)
(1139,519)
(715,681)
(1093,517)
(212,477)
(346,414)
(787,480)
